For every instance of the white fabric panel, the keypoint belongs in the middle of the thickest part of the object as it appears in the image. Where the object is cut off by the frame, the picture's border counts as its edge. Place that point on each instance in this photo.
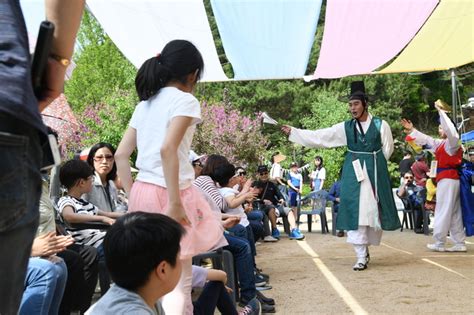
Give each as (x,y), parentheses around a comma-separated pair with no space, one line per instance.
(141,28)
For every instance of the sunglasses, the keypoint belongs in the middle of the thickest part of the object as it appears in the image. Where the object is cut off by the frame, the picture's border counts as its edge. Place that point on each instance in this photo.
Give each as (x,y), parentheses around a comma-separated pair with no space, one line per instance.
(241,173)
(264,173)
(99,158)
(408,177)
(197,164)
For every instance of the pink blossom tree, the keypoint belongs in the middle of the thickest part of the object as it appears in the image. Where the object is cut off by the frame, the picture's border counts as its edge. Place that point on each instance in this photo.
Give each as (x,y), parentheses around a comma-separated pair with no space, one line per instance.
(227,132)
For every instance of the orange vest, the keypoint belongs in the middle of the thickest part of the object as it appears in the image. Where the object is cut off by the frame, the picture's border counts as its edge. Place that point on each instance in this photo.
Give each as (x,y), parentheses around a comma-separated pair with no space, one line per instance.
(447,165)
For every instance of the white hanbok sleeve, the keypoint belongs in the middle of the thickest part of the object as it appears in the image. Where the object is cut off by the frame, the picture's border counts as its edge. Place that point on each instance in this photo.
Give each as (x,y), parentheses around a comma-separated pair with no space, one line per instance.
(453,144)
(424,140)
(331,137)
(387,140)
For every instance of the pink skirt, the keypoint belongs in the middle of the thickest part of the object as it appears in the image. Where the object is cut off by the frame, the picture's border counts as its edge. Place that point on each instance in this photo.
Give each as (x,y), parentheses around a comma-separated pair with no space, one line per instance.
(205,232)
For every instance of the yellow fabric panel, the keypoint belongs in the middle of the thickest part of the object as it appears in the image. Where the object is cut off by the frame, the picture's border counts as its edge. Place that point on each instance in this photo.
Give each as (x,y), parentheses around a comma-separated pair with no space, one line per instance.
(445,41)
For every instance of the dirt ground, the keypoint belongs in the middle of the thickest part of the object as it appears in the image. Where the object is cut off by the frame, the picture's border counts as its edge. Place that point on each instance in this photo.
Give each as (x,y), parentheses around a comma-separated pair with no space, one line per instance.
(315,276)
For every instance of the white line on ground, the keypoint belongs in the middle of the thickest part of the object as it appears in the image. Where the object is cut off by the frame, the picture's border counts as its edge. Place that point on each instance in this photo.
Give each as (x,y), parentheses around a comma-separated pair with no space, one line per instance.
(397,249)
(468,242)
(445,268)
(333,281)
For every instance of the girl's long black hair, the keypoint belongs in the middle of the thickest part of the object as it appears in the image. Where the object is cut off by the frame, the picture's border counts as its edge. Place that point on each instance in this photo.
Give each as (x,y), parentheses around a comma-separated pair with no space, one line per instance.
(320,158)
(178,59)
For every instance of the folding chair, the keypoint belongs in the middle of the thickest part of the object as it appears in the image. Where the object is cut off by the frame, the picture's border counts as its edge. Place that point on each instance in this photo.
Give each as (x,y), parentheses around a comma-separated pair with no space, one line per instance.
(319,199)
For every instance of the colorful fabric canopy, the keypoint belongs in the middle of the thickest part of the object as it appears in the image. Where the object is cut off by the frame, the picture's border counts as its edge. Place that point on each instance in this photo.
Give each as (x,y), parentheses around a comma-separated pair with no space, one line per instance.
(271,39)
(445,41)
(267,38)
(360,36)
(141,29)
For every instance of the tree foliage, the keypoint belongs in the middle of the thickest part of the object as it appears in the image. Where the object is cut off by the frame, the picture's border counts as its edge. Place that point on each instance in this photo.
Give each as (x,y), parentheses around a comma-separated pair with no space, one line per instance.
(227,132)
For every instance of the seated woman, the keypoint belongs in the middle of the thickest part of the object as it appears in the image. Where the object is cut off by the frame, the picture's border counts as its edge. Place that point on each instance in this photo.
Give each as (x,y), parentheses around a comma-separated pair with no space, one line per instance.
(46,275)
(104,193)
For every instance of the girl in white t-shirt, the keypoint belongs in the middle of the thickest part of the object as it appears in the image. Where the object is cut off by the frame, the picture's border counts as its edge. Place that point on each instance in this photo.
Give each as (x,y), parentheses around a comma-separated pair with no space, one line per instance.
(319,174)
(162,129)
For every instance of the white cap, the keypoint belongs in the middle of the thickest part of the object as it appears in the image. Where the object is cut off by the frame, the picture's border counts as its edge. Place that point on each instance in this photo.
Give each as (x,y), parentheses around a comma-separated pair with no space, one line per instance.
(194,157)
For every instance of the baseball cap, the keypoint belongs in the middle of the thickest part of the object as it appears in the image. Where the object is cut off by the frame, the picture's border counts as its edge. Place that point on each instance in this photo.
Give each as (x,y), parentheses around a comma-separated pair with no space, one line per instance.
(262,169)
(193,156)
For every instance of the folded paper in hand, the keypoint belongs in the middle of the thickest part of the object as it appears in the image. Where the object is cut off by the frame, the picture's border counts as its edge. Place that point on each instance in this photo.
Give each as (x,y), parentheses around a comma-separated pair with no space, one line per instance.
(268,120)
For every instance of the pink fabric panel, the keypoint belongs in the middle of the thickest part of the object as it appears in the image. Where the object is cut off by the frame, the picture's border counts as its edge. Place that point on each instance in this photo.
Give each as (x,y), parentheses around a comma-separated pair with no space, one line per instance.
(362,35)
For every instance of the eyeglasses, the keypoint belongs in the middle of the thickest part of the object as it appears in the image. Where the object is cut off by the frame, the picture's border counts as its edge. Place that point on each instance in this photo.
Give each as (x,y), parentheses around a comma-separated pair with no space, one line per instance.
(264,173)
(99,158)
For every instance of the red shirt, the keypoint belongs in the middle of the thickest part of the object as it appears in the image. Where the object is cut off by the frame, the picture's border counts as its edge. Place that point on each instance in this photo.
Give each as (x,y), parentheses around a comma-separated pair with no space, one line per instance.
(419,170)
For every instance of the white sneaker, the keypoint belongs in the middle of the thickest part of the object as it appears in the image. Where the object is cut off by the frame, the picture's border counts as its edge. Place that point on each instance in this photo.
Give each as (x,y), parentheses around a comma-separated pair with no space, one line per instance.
(457,248)
(436,247)
(270,238)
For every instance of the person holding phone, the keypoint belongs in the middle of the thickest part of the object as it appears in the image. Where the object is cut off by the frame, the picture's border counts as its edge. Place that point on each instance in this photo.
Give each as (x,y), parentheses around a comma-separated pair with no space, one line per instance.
(22,134)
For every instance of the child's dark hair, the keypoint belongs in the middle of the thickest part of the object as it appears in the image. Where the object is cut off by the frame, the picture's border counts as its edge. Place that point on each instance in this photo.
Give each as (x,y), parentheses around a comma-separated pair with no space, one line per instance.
(258,184)
(223,173)
(212,162)
(90,158)
(320,159)
(178,59)
(138,242)
(72,171)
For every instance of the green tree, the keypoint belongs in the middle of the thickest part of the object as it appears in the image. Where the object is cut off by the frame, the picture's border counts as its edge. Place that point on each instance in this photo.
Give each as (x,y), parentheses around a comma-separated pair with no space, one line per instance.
(101,90)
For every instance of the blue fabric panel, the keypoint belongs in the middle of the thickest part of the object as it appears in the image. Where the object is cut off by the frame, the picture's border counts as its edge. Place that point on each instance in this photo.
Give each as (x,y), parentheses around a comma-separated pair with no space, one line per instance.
(267,38)
(468,136)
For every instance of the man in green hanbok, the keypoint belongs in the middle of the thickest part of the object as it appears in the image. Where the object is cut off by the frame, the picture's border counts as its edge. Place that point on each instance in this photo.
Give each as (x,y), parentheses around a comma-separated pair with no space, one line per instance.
(367,206)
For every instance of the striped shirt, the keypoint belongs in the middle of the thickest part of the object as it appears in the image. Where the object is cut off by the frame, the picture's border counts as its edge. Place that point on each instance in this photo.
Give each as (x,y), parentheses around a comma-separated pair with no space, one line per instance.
(208,186)
(90,237)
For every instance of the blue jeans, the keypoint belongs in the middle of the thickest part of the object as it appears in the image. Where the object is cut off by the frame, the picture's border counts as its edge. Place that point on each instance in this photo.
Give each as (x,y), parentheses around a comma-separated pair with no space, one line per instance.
(255,215)
(20,190)
(243,259)
(104,277)
(44,287)
(247,234)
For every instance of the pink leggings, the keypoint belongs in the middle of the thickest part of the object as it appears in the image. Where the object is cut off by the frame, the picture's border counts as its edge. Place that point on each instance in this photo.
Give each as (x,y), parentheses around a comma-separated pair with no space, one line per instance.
(178,301)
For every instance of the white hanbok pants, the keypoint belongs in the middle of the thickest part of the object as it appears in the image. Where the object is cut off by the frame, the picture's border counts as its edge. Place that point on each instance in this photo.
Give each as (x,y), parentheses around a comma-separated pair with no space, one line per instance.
(362,238)
(448,216)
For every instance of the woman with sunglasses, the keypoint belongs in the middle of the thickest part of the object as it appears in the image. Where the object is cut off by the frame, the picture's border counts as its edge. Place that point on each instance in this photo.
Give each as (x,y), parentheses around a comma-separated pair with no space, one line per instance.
(104,193)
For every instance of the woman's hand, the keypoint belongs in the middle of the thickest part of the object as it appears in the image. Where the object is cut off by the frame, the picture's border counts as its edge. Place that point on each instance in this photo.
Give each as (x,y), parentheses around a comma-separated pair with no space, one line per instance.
(407,125)
(246,186)
(286,129)
(250,196)
(177,213)
(49,244)
(230,222)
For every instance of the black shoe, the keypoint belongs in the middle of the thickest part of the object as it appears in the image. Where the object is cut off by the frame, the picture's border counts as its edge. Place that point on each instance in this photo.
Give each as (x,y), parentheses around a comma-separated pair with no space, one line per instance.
(265,300)
(265,308)
(263,276)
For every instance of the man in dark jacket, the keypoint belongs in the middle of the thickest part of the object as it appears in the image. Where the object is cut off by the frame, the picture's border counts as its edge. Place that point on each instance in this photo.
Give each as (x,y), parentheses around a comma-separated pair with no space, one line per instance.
(271,202)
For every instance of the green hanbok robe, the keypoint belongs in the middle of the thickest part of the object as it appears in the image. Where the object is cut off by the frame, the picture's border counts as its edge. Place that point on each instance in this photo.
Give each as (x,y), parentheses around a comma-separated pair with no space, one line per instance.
(369,202)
